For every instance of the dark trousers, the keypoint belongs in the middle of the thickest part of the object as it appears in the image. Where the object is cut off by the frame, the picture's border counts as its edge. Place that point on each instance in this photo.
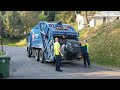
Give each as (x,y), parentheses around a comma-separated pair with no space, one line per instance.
(86,59)
(58,62)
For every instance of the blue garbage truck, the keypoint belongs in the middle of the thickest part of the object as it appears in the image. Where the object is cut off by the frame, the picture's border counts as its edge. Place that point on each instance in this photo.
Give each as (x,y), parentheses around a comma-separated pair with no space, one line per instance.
(41,41)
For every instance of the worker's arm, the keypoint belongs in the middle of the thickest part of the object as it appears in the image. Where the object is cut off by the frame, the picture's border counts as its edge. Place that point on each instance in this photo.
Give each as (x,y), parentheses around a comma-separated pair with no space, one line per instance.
(87,47)
(86,44)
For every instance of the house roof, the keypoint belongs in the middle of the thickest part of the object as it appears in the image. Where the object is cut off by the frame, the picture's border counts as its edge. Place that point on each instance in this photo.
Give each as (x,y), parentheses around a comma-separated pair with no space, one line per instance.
(108,13)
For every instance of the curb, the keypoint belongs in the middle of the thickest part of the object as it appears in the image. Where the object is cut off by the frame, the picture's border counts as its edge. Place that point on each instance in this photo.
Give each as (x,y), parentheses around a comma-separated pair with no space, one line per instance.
(106,67)
(93,64)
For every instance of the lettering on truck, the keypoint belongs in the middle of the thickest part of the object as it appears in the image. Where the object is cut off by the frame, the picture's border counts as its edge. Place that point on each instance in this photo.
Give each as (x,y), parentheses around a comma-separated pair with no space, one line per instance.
(36,35)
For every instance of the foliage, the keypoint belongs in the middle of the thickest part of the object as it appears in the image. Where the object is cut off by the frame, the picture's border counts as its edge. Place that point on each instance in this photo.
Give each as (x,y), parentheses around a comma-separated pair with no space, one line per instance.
(42,16)
(51,15)
(65,16)
(104,43)
(16,24)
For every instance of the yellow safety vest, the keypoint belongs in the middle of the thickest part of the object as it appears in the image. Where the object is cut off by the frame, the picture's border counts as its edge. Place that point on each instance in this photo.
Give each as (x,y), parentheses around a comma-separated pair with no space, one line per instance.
(87,46)
(56,48)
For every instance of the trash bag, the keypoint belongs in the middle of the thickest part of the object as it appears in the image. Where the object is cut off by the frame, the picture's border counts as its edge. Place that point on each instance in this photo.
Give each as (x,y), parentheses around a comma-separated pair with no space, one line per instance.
(72,46)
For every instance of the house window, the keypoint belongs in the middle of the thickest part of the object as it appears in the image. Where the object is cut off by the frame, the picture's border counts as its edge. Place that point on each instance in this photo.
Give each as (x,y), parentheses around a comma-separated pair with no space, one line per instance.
(104,19)
(117,18)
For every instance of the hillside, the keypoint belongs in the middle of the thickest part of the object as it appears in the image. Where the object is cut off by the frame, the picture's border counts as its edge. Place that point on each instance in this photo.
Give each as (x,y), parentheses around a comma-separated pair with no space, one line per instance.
(104,43)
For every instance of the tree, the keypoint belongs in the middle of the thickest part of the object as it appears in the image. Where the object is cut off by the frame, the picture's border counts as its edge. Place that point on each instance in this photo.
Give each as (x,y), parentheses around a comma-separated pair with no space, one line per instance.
(7,22)
(42,16)
(30,18)
(2,26)
(87,22)
(65,16)
(14,23)
(51,15)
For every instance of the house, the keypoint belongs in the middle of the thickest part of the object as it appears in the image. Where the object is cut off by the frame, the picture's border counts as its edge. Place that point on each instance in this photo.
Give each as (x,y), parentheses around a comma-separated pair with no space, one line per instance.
(105,16)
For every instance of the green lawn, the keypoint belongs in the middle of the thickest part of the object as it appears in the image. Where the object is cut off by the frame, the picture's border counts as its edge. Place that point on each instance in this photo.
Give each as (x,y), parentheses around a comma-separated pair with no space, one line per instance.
(2,53)
(14,42)
(104,44)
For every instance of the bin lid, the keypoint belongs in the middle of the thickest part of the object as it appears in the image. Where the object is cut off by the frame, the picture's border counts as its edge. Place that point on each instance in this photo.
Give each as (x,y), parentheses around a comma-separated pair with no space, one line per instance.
(4,59)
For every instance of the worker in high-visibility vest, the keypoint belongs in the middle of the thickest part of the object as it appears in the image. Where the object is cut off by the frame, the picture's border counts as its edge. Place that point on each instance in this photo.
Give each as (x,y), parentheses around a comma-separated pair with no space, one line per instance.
(85,53)
(57,54)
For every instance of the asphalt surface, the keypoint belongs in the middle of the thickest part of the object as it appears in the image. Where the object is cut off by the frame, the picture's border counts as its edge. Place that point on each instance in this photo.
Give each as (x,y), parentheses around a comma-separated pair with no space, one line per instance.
(23,67)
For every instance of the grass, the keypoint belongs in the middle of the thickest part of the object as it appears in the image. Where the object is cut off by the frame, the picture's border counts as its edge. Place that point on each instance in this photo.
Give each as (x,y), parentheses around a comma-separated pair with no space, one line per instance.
(2,53)
(21,43)
(104,44)
(18,42)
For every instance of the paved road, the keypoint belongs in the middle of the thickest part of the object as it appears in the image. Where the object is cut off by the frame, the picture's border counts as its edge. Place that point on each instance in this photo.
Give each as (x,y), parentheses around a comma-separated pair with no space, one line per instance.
(22,67)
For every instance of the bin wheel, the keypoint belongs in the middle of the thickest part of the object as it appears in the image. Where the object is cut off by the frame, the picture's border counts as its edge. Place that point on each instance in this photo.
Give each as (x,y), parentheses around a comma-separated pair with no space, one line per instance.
(37,55)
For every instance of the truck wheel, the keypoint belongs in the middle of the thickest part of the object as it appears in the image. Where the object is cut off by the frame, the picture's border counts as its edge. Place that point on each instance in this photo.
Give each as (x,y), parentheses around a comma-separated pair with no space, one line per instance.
(37,55)
(29,52)
(41,57)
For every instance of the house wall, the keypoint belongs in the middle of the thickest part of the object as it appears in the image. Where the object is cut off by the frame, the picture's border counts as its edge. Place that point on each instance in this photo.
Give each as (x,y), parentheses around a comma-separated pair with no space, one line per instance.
(99,20)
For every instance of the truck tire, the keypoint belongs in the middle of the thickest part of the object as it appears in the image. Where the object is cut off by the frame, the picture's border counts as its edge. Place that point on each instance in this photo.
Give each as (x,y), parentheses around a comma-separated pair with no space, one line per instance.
(41,57)
(29,52)
(37,54)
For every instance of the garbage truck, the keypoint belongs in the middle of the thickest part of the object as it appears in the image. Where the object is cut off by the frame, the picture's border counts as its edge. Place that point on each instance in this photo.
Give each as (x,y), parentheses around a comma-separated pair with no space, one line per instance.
(42,37)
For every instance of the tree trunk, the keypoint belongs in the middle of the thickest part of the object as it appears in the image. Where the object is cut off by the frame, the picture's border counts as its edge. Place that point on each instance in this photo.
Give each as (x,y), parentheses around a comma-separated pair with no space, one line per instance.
(0,28)
(1,36)
(86,18)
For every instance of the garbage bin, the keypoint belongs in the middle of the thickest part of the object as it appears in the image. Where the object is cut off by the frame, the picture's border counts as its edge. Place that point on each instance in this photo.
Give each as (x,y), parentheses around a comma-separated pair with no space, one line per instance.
(4,66)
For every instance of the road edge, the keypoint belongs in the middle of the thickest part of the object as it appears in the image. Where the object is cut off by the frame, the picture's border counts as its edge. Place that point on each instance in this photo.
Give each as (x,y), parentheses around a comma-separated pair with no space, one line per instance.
(108,68)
